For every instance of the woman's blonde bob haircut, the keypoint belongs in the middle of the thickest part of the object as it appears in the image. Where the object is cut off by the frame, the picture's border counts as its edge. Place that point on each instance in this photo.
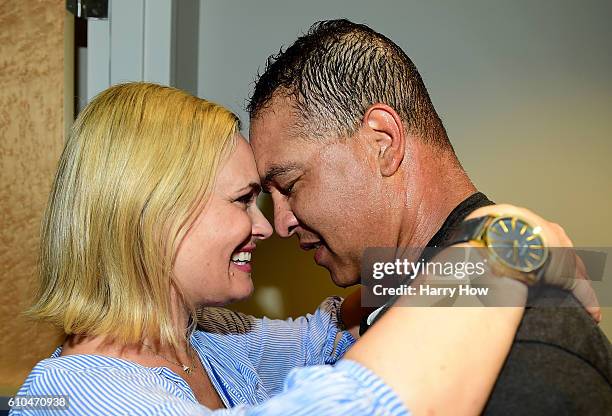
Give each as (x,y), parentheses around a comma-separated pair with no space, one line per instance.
(140,159)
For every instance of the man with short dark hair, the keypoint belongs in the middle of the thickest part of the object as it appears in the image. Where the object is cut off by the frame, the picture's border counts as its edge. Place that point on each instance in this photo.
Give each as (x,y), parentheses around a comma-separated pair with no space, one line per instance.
(354,155)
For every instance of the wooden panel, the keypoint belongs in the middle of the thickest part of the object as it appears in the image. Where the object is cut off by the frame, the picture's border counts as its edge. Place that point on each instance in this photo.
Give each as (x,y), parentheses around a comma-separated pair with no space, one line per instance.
(31,137)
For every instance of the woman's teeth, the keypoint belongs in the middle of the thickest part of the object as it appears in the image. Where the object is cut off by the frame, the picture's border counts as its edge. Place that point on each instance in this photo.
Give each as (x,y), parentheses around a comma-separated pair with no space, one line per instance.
(242,257)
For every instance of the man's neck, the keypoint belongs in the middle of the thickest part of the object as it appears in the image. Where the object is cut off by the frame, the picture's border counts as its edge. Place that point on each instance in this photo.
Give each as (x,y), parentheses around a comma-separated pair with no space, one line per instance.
(439,196)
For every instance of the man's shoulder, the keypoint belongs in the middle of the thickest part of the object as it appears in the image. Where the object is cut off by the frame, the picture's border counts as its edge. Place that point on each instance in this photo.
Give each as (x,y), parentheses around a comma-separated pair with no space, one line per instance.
(555,319)
(560,362)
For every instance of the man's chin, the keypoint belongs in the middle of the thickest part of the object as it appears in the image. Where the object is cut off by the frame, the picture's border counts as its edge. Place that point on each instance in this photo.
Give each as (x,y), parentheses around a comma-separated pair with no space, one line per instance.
(343,279)
(343,275)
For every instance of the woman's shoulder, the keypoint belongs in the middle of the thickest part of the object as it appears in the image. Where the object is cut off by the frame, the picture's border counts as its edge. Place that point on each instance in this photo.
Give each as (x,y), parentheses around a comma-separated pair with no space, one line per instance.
(62,371)
(80,362)
(95,383)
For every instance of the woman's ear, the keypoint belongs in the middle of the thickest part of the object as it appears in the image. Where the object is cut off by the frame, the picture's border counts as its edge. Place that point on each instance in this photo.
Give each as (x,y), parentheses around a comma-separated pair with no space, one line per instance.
(389,135)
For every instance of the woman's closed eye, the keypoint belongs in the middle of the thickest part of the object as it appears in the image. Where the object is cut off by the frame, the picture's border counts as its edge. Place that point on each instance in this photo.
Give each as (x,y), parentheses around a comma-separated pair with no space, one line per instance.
(249,197)
(246,199)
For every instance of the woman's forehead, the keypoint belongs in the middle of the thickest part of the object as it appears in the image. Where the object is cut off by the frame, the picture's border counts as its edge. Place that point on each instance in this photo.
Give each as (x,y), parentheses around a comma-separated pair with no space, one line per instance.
(240,168)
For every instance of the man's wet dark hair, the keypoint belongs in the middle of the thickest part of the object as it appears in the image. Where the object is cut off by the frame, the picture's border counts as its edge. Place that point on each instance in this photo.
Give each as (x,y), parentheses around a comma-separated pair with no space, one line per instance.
(336,71)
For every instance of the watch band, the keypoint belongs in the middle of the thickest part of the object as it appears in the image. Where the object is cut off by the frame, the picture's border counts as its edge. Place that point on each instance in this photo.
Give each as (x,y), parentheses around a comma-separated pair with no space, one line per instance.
(468,230)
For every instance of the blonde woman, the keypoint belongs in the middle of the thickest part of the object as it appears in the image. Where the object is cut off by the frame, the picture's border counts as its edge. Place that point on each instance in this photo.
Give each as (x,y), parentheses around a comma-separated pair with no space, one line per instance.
(152,216)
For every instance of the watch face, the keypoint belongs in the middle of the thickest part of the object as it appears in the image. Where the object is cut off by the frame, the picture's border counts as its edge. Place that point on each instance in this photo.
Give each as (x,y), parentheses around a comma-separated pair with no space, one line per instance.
(516,244)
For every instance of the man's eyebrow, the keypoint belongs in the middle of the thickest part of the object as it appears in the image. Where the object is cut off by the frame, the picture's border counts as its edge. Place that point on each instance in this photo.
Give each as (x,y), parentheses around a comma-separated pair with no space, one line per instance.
(274,171)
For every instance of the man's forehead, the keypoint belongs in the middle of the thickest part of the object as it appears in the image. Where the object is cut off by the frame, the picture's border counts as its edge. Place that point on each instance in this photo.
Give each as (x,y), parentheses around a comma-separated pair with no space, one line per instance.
(272,142)
(277,118)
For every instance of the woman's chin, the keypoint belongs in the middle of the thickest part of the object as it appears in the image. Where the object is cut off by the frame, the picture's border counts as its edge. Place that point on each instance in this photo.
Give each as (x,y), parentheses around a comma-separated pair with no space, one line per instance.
(242,288)
(248,292)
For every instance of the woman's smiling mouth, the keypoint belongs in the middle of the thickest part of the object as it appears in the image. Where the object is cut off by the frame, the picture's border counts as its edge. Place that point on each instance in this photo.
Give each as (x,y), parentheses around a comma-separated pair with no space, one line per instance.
(242,259)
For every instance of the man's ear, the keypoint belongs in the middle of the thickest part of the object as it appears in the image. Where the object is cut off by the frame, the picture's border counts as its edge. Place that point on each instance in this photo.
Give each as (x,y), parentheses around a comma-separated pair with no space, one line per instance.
(388,131)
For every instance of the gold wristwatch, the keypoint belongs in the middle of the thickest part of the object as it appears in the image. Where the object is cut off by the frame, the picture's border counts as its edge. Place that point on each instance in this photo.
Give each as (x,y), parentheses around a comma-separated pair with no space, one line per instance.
(516,246)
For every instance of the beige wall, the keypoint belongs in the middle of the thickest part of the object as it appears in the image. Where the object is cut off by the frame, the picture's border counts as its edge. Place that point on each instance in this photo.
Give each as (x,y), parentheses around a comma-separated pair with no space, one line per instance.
(32,121)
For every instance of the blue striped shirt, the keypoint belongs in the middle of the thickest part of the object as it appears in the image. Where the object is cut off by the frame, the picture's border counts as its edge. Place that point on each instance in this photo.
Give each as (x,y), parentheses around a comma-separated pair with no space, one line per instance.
(258,367)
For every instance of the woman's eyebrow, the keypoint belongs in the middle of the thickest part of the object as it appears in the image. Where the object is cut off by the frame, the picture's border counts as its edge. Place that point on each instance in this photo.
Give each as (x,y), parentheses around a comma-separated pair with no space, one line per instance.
(254,187)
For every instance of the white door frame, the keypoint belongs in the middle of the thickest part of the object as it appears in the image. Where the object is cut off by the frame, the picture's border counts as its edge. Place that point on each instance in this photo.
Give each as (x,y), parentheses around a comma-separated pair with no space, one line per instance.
(138,42)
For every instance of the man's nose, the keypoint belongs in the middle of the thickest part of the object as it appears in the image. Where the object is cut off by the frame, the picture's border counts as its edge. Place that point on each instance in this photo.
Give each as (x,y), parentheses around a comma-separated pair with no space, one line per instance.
(285,221)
